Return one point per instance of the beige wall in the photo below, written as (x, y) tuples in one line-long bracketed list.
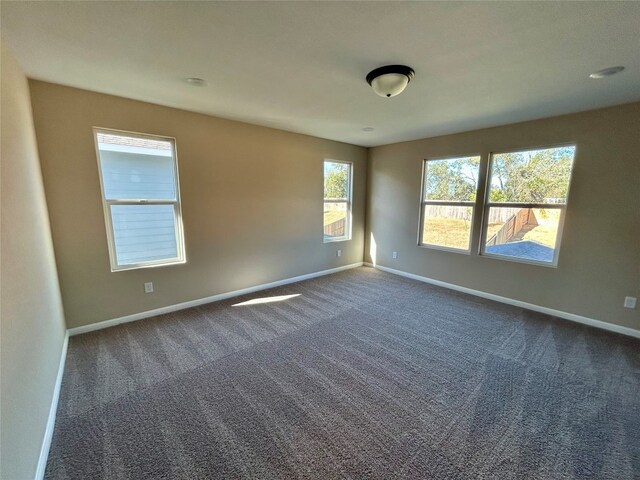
[(599, 260), (251, 203), (32, 326)]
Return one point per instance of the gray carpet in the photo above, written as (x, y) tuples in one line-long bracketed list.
[(362, 375)]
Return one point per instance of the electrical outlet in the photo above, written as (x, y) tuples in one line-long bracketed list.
[(148, 287), (339, 253), (395, 254), (630, 302)]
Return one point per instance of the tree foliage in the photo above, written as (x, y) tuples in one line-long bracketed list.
[(538, 176), (535, 176), (453, 179), (336, 180)]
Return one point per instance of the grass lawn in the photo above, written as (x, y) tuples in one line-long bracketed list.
[(450, 232), (547, 229), (454, 232), (544, 235)]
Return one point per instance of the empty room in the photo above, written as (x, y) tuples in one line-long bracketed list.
[(320, 240)]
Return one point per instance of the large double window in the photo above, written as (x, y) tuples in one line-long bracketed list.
[(337, 201), (141, 199), (525, 197)]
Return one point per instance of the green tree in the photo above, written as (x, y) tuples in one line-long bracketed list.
[(452, 179), (534, 176), (336, 181)]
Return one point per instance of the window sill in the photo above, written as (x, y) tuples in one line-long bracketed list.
[(520, 260), (444, 249), (138, 266), (334, 240)]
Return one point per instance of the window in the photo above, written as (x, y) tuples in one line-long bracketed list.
[(525, 204), (141, 199), (337, 201), (449, 189)]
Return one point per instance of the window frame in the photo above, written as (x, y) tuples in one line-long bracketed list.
[(487, 204), (348, 201), (444, 203), (108, 203)]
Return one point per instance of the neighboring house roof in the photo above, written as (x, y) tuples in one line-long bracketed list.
[(133, 141), (526, 249)]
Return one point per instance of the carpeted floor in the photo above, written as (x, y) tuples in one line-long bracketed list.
[(363, 374)]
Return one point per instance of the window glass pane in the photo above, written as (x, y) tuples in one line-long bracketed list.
[(453, 179), (525, 233), (447, 226), (144, 233), (335, 220), (336, 180), (136, 168), (534, 176)]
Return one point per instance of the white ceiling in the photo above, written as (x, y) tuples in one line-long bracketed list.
[(301, 66)]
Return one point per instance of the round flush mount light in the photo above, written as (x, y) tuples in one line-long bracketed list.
[(368, 129), (607, 72), (195, 81), (390, 80)]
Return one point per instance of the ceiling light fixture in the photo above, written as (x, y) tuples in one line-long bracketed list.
[(390, 80), (196, 82), (368, 129), (607, 72)]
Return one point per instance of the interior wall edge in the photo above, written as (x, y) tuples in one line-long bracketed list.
[(32, 326)]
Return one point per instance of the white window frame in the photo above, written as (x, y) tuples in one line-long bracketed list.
[(347, 201), (445, 203), (487, 204), (106, 205)]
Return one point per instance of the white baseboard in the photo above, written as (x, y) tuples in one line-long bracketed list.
[(201, 301), (632, 332), (51, 421)]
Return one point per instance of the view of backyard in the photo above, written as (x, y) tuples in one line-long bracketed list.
[(518, 182), (450, 232), (527, 195), (332, 216), (335, 216), (455, 232), (547, 229), (336, 200)]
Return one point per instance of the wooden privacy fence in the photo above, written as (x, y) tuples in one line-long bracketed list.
[(514, 219), (336, 228), (496, 215), (513, 225)]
